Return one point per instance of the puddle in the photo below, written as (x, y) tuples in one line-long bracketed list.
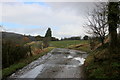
[(69, 56), (34, 72), (81, 60), (61, 65)]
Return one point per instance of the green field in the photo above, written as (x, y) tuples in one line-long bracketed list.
[(66, 43)]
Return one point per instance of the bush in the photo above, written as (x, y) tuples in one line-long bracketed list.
[(12, 52)]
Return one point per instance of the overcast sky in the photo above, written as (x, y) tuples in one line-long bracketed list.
[(66, 19)]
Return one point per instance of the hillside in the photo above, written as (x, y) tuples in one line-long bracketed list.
[(15, 36)]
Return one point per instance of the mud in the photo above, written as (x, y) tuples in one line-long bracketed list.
[(59, 63)]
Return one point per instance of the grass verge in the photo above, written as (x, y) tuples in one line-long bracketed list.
[(98, 64), (8, 71)]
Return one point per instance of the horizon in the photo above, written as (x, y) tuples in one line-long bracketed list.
[(40, 35)]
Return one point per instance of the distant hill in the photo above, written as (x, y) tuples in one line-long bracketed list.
[(15, 36), (11, 35)]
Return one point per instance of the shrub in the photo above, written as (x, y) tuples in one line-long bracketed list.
[(12, 52)]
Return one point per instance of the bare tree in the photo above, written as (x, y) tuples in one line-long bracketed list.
[(97, 21)]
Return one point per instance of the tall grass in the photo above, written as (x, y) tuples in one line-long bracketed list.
[(12, 52)]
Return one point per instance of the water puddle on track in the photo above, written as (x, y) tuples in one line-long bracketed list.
[(34, 72), (81, 60)]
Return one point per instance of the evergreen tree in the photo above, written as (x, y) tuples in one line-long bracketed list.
[(48, 33), (47, 38), (113, 18)]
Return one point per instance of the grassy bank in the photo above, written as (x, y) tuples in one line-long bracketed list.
[(9, 70), (82, 47), (99, 65)]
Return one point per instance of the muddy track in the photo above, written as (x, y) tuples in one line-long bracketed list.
[(59, 63)]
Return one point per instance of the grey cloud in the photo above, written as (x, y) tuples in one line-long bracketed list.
[(68, 17), (80, 8)]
